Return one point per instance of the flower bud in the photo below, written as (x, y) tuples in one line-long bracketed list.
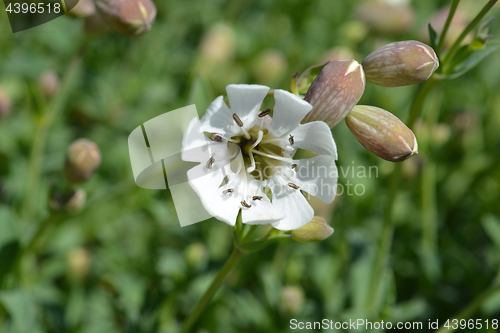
[(83, 158), (314, 231), (5, 104), (128, 17), (83, 8), (386, 18), (291, 299), (218, 45), (382, 133), (400, 64), (196, 256), (335, 91), (269, 66), (79, 260), (49, 83)]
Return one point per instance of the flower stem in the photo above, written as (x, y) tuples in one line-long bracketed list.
[(383, 253), (50, 114), (466, 31), (233, 259), (453, 8)]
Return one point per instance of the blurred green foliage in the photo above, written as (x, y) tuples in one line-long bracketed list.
[(123, 263)]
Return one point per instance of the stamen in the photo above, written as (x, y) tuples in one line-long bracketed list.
[(256, 197), (251, 168), (215, 137), (292, 185), (245, 204), (264, 113), (237, 120), (295, 167), (290, 139), (210, 162), (271, 155), (229, 190)]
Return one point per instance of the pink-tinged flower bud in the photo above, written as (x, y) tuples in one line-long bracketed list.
[(83, 158), (400, 64), (335, 91), (83, 8), (5, 104), (386, 18), (49, 83), (128, 17), (382, 133), (314, 231)]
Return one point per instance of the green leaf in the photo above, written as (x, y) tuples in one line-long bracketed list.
[(432, 37), (473, 59), (201, 95), (22, 310)]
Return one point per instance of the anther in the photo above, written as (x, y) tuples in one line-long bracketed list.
[(295, 167), (292, 185), (256, 197), (229, 190), (237, 120), (215, 137), (210, 162), (264, 113), (290, 139), (245, 204)]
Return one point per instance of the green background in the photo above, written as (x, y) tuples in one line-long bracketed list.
[(123, 264)]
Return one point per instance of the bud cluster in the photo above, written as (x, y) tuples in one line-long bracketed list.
[(341, 83)]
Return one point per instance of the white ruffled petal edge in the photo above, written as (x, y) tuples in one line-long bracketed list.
[(289, 110), (245, 100), (316, 137)]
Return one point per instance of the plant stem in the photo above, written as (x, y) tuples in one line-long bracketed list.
[(466, 31), (383, 253), (453, 8), (235, 257), (49, 115), (472, 307)]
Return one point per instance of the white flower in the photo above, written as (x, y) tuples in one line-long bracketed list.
[(248, 161)]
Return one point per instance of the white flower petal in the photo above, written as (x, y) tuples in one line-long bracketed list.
[(318, 177), (289, 110), (194, 143), (262, 211), (223, 207), (245, 100), (316, 137), (219, 119), (294, 204)]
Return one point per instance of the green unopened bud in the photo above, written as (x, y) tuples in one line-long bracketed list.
[(79, 260), (128, 17), (83, 158), (5, 104), (314, 231), (386, 18), (49, 83), (83, 8), (335, 91), (400, 64), (291, 299), (269, 66), (382, 133), (197, 256)]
